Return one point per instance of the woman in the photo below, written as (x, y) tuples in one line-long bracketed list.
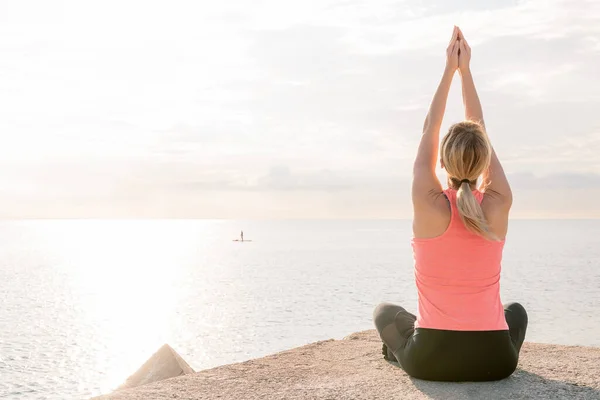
[(462, 332)]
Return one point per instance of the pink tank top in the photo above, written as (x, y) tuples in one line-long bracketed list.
[(458, 278)]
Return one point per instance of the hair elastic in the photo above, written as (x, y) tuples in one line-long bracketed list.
[(465, 181)]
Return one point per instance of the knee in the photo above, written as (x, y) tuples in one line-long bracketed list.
[(384, 315), (517, 310)]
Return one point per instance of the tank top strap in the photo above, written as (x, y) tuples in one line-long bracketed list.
[(478, 195), (450, 195)]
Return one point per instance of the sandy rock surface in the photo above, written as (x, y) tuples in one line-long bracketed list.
[(353, 368)]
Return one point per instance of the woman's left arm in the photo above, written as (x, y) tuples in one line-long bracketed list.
[(425, 182)]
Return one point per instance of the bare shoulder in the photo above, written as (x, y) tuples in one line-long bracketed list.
[(431, 215), (496, 209)]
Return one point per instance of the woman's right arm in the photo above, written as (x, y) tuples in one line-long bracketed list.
[(494, 181)]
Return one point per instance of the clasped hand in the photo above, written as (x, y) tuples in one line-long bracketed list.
[(458, 53)]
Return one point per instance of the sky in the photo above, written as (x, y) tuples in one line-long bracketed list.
[(284, 109)]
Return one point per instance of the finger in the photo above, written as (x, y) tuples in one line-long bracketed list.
[(464, 49), (452, 37), (455, 47), (451, 46), (467, 48), (463, 38)]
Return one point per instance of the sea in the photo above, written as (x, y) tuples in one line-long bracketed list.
[(85, 302)]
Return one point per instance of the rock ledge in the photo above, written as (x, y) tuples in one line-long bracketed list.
[(353, 368)]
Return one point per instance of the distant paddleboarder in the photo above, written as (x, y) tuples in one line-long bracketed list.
[(241, 238)]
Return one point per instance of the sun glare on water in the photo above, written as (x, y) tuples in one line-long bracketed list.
[(126, 281)]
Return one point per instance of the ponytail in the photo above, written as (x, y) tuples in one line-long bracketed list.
[(471, 213)]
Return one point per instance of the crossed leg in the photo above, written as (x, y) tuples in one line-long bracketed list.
[(395, 326)]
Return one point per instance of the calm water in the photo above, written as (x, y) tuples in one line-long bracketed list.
[(84, 303)]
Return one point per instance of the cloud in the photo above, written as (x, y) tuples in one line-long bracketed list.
[(281, 178), (283, 99), (427, 26), (278, 178), (561, 181), (529, 69), (574, 153)]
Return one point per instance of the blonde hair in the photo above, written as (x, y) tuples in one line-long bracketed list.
[(466, 153)]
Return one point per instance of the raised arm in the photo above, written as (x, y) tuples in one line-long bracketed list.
[(494, 181), (425, 182)]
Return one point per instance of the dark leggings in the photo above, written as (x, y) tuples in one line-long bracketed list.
[(443, 355)]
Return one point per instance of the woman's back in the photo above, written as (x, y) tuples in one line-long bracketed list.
[(458, 277)]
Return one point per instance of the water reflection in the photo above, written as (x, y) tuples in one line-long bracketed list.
[(125, 278)]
